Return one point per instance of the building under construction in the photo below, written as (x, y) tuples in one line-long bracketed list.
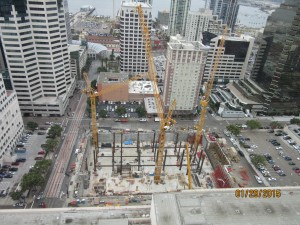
[(126, 164)]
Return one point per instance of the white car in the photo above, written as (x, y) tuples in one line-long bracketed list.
[(250, 150), (254, 146), (279, 148), (258, 179), (298, 158), (272, 179), (295, 147)]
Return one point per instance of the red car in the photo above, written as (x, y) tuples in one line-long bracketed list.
[(38, 158), (41, 152), (297, 171), (15, 163)]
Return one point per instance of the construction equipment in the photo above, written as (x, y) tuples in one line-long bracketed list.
[(165, 122), (188, 166), (93, 94), (205, 100)]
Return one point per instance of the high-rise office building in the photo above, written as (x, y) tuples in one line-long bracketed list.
[(11, 123), (277, 65), (233, 61), (163, 17), (34, 39), (201, 21), (226, 10), (68, 26), (184, 70), (132, 48), (178, 15)]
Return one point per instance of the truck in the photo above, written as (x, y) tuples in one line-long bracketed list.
[(233, 154)]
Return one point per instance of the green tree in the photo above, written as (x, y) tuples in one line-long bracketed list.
[(121, 110), (51, 144), (295, 121), (94, 84), (103, 113), (55, 131), (32, 125), (141, 111), (15, 195), (101, 69), (233, 129), (253, 124), (258, 159), (275, 124), (42, 165), (30, 180)]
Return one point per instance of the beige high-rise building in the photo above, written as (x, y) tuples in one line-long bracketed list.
[(184, 70)]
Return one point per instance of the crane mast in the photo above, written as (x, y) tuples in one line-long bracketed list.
[(205, 100), (164, 122), (92, 94)]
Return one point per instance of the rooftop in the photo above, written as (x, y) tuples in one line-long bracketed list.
[(150, 105), (134, 4), (141, 87), (94, 46), (112, 77), (221, 206)]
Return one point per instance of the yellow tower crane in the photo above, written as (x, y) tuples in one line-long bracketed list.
[(165, 122), (205, 100), (93, 94)]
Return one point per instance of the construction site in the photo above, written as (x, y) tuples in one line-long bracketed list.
[(120, 162)]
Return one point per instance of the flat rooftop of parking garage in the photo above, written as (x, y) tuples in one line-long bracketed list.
[(221, 206)]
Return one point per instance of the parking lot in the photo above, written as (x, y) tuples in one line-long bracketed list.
[(33, 146), (260, 144)]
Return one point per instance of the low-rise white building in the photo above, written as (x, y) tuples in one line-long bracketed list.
[(11, 123)]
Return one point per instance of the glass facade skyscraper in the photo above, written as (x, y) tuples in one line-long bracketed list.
[(278, 67)]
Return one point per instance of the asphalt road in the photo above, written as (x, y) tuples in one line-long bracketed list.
[(55, 181)]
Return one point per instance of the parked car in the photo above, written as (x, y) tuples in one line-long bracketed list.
[(287, 158), (6, 166), (21, 160), (8, 175), (38, 158), (41, 133), (15, 163), (241, 153), (41, 152), (295, 168), (292, 163), (13, 169), (258, 179)]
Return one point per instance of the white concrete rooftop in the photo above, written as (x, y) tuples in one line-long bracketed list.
[(222, 207), (150, 105), (140, 87)]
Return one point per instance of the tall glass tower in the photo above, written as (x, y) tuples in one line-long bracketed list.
[(178, 16), (278, 68)]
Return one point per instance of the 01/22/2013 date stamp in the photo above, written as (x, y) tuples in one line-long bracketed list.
[(258, 193)]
